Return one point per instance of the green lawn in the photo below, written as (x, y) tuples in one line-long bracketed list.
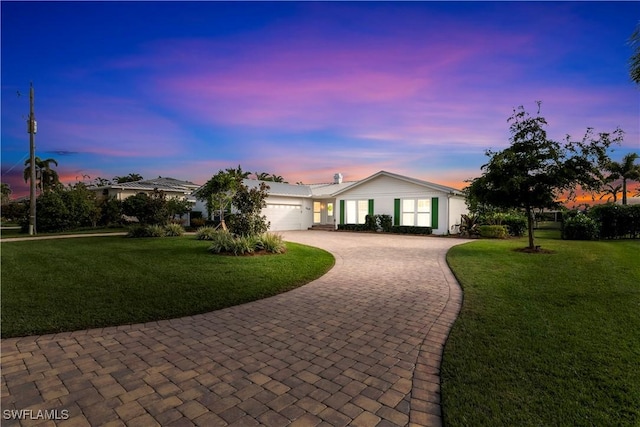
[(545, 339), (13, 232), (71, 284)]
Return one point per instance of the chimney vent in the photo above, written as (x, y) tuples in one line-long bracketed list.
[(337, 178)]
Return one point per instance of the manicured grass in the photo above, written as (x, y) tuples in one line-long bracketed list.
[(70, 284), (9, 233), (545, 339)]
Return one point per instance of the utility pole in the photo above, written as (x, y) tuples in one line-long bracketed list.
[(32, 128)]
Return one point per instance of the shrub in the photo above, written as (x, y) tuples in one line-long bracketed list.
[(409, 229), (156, 230), (272, 242), (371, 223), (634, 217), (149, 209), (516, 224), (248, 224), (469, 225), (16, 211), (493, 231), (197, 222), (242, 245), (138, 230), (173, 230), (141, 230), (205, 233), (110, 211), (579, 227), (249, 203), (617, 221), (221, 240), (385, 222), (352, 227), (52, 213)]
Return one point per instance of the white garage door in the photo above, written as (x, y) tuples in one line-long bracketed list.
[(283, 217)]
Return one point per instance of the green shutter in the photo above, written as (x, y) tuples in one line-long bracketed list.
[(371, 207), (396, 212), (434, 213), (341, 211)]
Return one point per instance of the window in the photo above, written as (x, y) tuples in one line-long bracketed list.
[(317, 212), (356, 211), (408, 211), (416, 212), (423, 213)]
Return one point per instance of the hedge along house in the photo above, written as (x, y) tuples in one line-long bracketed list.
[(409, 201)]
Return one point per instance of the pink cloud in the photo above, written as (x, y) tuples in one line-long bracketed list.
[(303, 83), (108, 126)]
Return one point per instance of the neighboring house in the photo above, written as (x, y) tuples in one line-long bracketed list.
[(409, 201), (171, 187)]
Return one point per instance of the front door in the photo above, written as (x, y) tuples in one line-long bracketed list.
[(323, 212), (329, 219), (317, 212)]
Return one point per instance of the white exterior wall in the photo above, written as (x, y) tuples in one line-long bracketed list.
[(295, 213), (457, 208), (384, 190), (304, 212)]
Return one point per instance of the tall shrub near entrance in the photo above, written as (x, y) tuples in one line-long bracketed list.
[(249, 203)]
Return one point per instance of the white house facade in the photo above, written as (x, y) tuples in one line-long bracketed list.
[(408, 201)]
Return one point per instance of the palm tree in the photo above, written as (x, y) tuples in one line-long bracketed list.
[(626, 170), (613, 190), (46, 178), (264, 176), (132, 177)]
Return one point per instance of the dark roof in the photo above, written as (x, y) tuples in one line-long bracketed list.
[(162, 184)]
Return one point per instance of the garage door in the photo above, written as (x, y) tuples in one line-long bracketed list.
[(283, 217)]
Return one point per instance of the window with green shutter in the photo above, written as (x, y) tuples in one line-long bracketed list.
[(396, 212), (434, 213)]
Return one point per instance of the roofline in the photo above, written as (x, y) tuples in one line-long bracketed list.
[(140, 187), (443, 188)]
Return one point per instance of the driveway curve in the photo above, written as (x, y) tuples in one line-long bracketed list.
[(359, 346)]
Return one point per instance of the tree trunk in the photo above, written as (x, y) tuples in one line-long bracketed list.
[(624, 191), (530, 227)]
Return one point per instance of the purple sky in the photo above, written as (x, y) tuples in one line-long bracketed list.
[(304, 90)]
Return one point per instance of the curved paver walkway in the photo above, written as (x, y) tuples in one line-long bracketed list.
[(360, 346)]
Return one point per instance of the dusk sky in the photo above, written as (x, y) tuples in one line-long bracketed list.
[(305, 89)]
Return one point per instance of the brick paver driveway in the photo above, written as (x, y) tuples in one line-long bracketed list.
[(360, 346)]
